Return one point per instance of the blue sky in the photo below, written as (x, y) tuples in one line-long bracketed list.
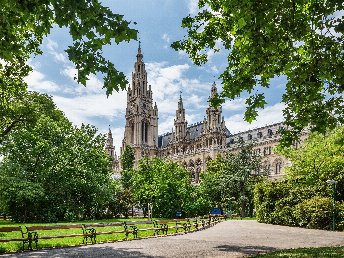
[(169, 72)]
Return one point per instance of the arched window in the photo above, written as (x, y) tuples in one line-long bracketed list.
[(278, 166)]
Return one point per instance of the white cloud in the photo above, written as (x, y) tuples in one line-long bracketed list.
[(37, 82), (182, 54), (269, 115), (193, 6), (167, 81), (214, 69), (93, 84), (82, 109), (166, 38), (232, 105), (194, 101), (52, 47), (166, 125)]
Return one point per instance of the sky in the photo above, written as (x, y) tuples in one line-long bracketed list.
[(169, 72)]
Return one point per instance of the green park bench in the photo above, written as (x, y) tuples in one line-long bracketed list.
[(25, 237)]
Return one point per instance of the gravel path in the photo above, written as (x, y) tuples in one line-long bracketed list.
[(234, 238)]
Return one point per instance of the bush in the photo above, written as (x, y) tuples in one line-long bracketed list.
[(340, 216), (291, 204), (314, 213)]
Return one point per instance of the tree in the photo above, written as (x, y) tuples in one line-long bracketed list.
[(163, 184), (24, 110), (319, 159), (127, 163), (91, 26), (53, 171), (304, 198), (302, 40), (229, 180)]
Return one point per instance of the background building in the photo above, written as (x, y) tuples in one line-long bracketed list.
[(191, 145)]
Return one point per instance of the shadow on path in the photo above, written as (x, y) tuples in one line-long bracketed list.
[(104, 252), (247, 250)]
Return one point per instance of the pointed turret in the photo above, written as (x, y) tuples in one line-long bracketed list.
[(110, 149), (213, 90), (180, 123), (139, 55)]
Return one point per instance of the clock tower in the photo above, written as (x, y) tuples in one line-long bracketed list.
[(141, 128)]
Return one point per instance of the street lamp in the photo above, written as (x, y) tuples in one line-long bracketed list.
[(333, 183)]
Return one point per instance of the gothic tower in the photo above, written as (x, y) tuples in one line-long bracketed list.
[(110, 149), (214, 124), (180, 124), (141, 128)]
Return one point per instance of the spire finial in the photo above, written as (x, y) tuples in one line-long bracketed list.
[(139, 54)]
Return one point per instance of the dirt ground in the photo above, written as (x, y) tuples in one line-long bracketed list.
[(233, 238)]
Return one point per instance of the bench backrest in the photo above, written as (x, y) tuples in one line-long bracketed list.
[(10, 229), (110, 224), (139, 222), (33, 228)]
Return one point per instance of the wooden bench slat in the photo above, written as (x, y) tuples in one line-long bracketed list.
[(12, 239), (60, 236), (10, 229), (104, 224), (33, 228), (110, 232), (139, 222)]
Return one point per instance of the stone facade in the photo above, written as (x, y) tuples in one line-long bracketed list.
[(191, 145)]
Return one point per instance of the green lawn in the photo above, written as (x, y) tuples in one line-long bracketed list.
[(74, 241), (321, 252)]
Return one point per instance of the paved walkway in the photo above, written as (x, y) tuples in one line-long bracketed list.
[(234, 238)]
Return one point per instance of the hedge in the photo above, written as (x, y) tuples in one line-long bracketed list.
[(292, 204)]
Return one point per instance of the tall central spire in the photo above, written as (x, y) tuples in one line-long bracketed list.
[(139, 54), (141, 130)]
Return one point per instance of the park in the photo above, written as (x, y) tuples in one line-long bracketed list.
[(253, 165)]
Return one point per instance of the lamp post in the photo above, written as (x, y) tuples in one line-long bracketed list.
[(333, 183)]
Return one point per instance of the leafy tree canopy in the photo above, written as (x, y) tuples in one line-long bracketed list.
[(302, 40), (90, 24), (24, 110), (320, 159), (229, 180), (127, 163), (127, 158), (26, 23), (164, 184), (53, 171)]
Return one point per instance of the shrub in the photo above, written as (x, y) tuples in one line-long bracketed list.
[(314, 213)]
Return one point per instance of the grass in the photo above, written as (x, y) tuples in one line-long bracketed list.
[(74, 241), (320, 252)]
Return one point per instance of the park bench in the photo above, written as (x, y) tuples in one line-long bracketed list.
[(162, 225), (90, 230), (34, 236), (134, 227), (25, 238)]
